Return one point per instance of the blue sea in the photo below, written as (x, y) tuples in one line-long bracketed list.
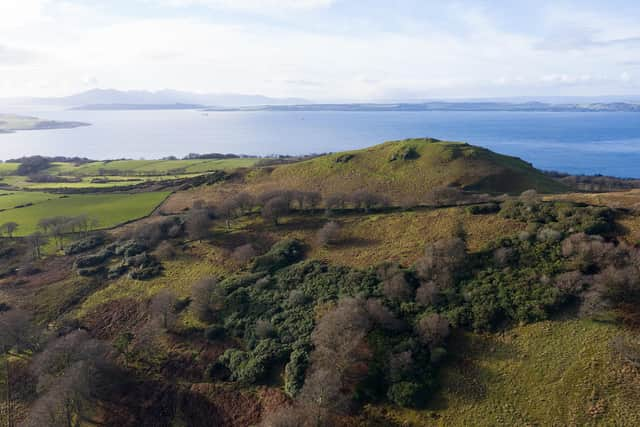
[(578, 143)]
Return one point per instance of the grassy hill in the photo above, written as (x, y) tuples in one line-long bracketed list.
[(413, 167)]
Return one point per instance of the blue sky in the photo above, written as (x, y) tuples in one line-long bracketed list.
[(325, 50)]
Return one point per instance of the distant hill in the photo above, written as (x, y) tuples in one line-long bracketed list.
[(10, 123), (162, 97), (106, 107), (447, 106), (413, 167)]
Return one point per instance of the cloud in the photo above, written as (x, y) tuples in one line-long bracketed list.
[(254, 6), (14, 56)]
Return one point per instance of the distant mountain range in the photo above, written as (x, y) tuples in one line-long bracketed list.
[(446, 106), (111, 99), (102, 97)]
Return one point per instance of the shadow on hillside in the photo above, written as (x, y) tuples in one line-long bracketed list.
[(465, 375)]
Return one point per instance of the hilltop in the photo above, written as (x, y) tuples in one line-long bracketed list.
[(409, 170)]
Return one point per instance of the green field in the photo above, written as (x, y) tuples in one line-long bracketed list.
[(7, 168), (108, 209), (150, 167), (11, 199)]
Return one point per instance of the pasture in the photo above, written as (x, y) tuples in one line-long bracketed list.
[(107, 209)]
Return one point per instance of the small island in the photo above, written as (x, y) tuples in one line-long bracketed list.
[(10, 123)]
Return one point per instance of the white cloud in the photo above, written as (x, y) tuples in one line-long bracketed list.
[(256, 6)]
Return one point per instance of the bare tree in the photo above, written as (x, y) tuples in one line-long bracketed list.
[(36, 241), (229, 210), (197, 224), (397, 288), (163, 309), (428, 293), (206, 297), (329, 233), (442, 261), (366, 200), (339, 340), (9, 228), (382, 316), (275, 208), (243, 254), (433, 329), (335, 201)]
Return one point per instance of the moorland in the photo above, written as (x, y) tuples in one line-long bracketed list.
[(415, 282)]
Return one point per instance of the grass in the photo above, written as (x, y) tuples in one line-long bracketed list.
[(548, 373), (437, 164), (11, 199), (150, 167), (7, 168), (115, 181), (108, 209), (179, 275)]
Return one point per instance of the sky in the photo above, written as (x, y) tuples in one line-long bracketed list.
[(323, 50)]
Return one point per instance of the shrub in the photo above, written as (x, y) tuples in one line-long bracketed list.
[(484, 209), (84, 245), (294, 371), (214, 332), (282, 254), (406, 394)]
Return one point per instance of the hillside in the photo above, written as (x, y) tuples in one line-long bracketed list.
[(404, 171), (413, 167), (219, 308)]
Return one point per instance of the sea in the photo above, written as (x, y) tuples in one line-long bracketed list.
[(577, 143)]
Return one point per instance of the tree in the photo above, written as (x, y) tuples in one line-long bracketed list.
[(206, 297), (197, 224), (366, 200), (163, 309), (442, 261), (243, 254), (335, 201), (36, 241), (329, 233), (432, 330), (275, 208), (17, 333), (9, 228), (428, 294), (229, 210), (397, 288), (339, 340)]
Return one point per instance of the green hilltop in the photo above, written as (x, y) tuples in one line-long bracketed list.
[(413, 167)]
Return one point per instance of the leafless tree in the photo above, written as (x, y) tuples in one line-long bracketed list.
[(428, 294), (275, 208), (163, 309), (243, 254), (229, 210), (397, 288), (442, 261), (329, 233), (9, 228), (433, 329), (36, 241), (197, 223), (366, 200), (205, 298), (339, 340), (336, 201), (382, 316)]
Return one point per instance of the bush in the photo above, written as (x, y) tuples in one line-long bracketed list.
[(84, 245), (294, 372), (406, 394), (485, 209), (282, 254), (214, 332), (93, 260)]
